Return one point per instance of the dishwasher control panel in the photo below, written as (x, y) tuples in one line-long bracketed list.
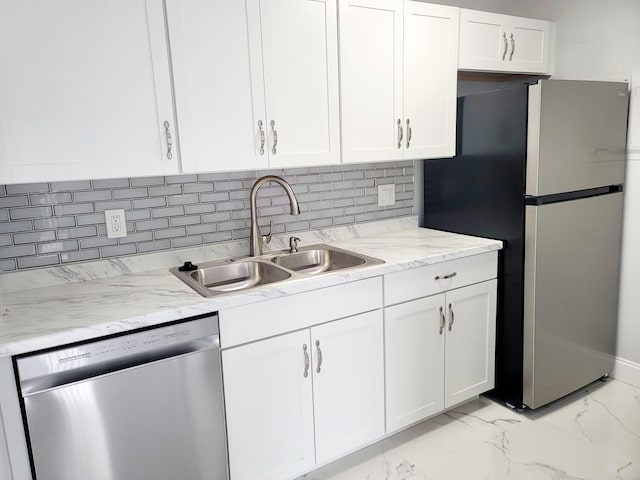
[(97, 351)]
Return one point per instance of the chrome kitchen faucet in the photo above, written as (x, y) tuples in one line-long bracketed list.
[(258, 240)]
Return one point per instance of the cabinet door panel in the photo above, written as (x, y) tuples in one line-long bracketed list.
[(269, 408), (430, 76), (414, 361), (349, 388), (212, 81), (531, 45), (371, 79), (482, 43), (300, 62), (88, 93), (470, 343)]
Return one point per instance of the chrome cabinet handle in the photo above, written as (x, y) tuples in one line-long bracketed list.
[(319, 356), (167, 132), (513, 47), (275, 137), (506, 45), (442, 320), (262, 139), (408, 133), (400, 133), (306, 361), (450, 317), (445, 277)]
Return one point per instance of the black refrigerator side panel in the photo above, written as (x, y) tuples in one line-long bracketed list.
[(480, 192)]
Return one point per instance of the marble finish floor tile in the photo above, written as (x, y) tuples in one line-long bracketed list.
[(594, 434)]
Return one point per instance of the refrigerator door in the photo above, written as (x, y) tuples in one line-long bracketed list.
[(577, 135), (572, 254)]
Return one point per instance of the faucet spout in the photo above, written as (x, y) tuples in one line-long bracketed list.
[(257, 239)]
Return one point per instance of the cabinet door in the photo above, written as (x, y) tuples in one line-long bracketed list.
[(502, 43), (88, 91), (371, 79), (430, 79), (470, 341), (414, 361), (483, 41), (212, 81), (529, 48), (348, 384), (269, 407), (298, 44)]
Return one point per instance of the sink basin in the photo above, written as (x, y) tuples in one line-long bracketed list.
[(319, 259), (218, 277), (212, 278)]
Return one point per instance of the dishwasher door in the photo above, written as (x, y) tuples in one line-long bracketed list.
[(161, 419)]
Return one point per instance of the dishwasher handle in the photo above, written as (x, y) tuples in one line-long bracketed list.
[(61, 377)]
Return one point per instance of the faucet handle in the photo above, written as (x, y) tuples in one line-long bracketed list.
[(293, 244), (267, 238)]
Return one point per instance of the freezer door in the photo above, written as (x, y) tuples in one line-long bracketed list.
[(576, 135), (572, 256)]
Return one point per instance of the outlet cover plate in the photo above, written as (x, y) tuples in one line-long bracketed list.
[(116, 223), (386, 195)]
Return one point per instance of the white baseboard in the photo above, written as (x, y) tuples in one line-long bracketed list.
[(626, 371)]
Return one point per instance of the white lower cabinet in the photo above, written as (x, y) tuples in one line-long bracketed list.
[(304, 397), (439, 349), (269, 404), (307, 376), (414, 361)]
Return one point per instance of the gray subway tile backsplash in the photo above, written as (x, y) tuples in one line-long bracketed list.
[(44, 224)]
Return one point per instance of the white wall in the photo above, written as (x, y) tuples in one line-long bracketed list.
[(598, 40)]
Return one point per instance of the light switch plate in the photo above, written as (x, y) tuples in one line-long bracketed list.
[(386, 195), (116, 223)]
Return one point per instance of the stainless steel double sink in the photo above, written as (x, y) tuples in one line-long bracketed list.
[(218, 277)]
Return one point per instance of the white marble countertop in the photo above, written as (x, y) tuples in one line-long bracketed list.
[(67, 311)]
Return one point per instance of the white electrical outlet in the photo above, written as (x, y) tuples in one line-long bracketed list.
[(386, 195), (116, 223)]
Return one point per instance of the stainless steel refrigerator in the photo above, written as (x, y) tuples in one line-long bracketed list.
[(542, 167)]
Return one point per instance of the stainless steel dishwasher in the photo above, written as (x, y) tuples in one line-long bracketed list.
[(141, 406)]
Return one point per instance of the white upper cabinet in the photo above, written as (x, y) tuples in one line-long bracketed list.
[(85, 90), (293, 48), (430, 80), (502, 43), (213, 86), (398, 66)]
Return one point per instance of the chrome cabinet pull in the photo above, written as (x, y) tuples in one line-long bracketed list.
[(506, 45), (450, 317), (275, 137), (400, 133), (445, 277), (167, 132), (262, 139), (306, 361), (319, 356), (513, 47), (408, 133), (442, 320)]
